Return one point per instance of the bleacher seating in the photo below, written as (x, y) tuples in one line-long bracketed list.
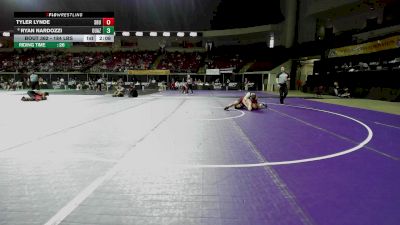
[(75, 62), (225, 61), (181, 62)]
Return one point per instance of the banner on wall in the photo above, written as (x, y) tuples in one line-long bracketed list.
[(227, 70), (212, 72), (148, 72), (369, 47)]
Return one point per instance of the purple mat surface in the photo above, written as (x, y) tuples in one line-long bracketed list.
[(357, 188), (169, 158), (279, 139), (385, 138)]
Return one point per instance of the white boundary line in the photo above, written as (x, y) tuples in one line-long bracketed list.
[(82, 196), (387, 125), (347, 151), (225, 118), (74, 203)]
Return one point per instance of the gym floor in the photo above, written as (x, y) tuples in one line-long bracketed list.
[(168, 158)]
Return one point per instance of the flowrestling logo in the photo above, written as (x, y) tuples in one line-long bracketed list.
[(64, 15)]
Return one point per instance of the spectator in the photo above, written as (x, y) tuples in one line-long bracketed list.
[(79, 86), (298, 84), (132, 91), (340, 92), (2, 83), (227, 83), (62, 83), (246, 84), (319, 90), (11, 85)]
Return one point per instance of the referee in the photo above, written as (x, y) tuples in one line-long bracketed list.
[(189, 82), (281, 80), (34, 81)]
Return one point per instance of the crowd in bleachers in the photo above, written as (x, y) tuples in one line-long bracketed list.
[(225, 61), (181, 62), (75, 62), (122, 61), (47, 61)]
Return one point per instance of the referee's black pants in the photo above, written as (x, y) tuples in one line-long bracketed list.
[(190, 87), (35, 85), (283, 91)]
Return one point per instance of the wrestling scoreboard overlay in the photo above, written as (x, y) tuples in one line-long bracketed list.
[(61, 29)]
